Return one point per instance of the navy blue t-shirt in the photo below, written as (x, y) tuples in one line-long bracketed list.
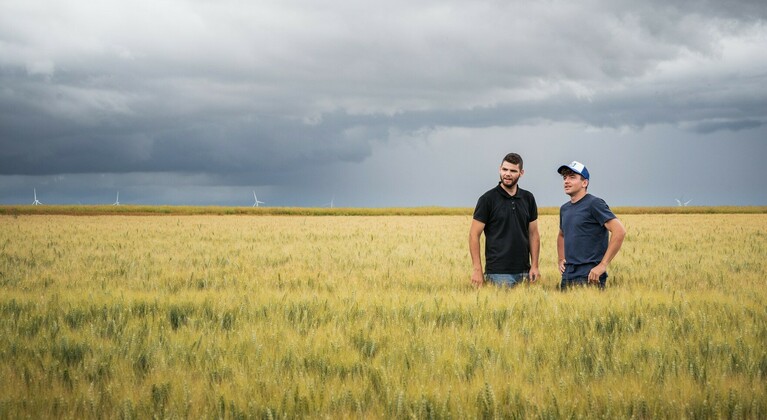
[(507, 229), (586, 237)]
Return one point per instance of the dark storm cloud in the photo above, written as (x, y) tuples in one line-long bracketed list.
[(203, 144), (713, 126), (244, 93)]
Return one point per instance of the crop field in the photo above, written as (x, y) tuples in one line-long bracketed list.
[(373, 316)]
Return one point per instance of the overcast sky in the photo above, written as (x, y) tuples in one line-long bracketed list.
[(397, 103)]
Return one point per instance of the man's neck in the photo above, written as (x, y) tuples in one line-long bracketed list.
[(511, 191), (576, 198)]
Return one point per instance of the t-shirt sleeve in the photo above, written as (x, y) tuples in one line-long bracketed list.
[(533, 209), (601, 211), (482, 210)]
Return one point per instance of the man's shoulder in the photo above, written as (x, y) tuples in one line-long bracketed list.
[(521, 192), (485, 203), (595, 201), (587, 200), (592, 197), (489, 194), (601, 210)]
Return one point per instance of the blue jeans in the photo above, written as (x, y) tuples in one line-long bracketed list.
[(582, 281), (578, 275), (508, 280)]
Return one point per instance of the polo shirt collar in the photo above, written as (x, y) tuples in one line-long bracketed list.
[(505, 194)]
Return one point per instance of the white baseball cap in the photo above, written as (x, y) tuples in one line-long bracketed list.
[(576, 167)]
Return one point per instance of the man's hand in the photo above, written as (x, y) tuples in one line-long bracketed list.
[(477, 279), (562, 266), (477, 227), (596, 272), (534, 274)]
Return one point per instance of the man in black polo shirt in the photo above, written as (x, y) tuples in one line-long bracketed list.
[(508, 216)]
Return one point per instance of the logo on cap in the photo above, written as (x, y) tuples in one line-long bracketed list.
[(576, 167)]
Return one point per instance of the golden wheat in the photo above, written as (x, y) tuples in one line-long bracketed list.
[(373, 316)]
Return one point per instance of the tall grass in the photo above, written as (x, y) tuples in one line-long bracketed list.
[(271, 317)]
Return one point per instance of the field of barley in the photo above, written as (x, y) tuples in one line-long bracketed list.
[(270, 316)]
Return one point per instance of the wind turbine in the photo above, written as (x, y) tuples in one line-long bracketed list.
[(117, 201), (681, 204), (256, 202), (36, 203), (330, 204)]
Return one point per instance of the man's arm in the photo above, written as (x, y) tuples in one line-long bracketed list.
[(535, 250), (475, 232), (561, 251), (617, 233)]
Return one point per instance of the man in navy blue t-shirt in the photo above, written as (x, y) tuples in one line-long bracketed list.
[(590, 235), (508, 216)]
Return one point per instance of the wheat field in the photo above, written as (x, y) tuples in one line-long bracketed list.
[(262, 316)]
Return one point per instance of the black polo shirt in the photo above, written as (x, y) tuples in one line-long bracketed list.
[(507, 229)]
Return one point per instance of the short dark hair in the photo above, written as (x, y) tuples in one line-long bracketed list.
[(513, 158), (568, 171)]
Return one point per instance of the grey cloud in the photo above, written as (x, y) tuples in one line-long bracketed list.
[(707, 127), (245, 94), (216, 146)]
